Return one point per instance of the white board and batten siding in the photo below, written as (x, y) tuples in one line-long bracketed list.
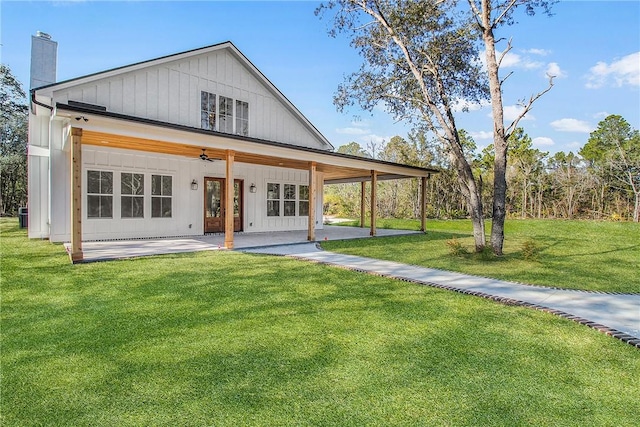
[(187, 204), (170, 92)]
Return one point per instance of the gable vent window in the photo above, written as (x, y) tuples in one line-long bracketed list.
[(208, 110)]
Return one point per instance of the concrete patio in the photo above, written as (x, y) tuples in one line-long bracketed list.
[(118, 249)]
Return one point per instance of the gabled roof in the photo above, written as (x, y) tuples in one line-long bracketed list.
[(229, 46)]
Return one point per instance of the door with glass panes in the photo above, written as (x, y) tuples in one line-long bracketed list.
[(214, 203)]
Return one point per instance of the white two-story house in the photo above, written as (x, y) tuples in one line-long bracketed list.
[(188, 144)]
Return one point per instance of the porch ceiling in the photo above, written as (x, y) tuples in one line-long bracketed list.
[(292, 158)]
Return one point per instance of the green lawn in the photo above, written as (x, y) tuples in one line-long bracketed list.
[(230, 339), (589, 255)]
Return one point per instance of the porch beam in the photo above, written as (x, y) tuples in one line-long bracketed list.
[(76, 195), (228, 201), (374, 201), (423, 207), (311, 235), (363, 188)]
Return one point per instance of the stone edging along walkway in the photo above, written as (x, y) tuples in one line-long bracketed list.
[(622, 336)]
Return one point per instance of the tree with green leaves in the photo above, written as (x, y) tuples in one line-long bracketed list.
[(13, 140), (613, 152), (420, 60), (527, 165)]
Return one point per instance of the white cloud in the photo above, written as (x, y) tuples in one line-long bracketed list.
[(539, 52), (481, 135), (553, 69), (542, 141), (512, 60), (571, 125), (601, 115), (511, 112), (352, 131), (625, 71)]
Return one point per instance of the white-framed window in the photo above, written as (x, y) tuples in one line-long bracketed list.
[(242, 118), (289, 200), (225, 114), (99, 194), (303, 200), (161, 196), (207, 110), (131, 195), (292, 201), (273, 199)]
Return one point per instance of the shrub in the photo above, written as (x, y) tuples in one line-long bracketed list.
[(530, 249), (456, 248)]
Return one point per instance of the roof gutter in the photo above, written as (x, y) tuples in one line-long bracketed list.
[(35, 101)]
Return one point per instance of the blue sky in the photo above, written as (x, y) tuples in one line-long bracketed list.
[(592, 46)]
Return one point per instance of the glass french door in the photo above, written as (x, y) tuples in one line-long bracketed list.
[(214, 203)]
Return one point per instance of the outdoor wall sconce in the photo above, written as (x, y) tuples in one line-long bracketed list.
[(194, 185), (252, 188)]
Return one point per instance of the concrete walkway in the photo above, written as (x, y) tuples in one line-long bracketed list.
[(617, 315)]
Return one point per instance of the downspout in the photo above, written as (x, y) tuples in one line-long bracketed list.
[(51, 115)]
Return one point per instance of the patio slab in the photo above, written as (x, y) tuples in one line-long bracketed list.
[(120, 249)]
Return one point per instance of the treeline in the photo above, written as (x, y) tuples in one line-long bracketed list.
[(600, 181)]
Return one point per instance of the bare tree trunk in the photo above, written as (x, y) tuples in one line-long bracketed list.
[(499, 138)]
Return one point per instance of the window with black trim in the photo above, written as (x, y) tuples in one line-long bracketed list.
[(131, 195), (99, 194), (161, 192)]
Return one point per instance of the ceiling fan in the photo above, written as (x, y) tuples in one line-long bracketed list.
[(205, 157)]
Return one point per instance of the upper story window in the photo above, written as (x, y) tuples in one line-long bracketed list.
[(99, 194), (208, 110), (224, 114), (242, 118)]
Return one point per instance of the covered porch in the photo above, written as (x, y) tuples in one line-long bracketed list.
[(147, 136), (123, 249)]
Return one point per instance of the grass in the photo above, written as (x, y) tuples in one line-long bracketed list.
[(588, 255), (228, 339)]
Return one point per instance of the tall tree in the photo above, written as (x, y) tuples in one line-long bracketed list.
[(614, 149), (13, 143), (419, 59), (489, 15)]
